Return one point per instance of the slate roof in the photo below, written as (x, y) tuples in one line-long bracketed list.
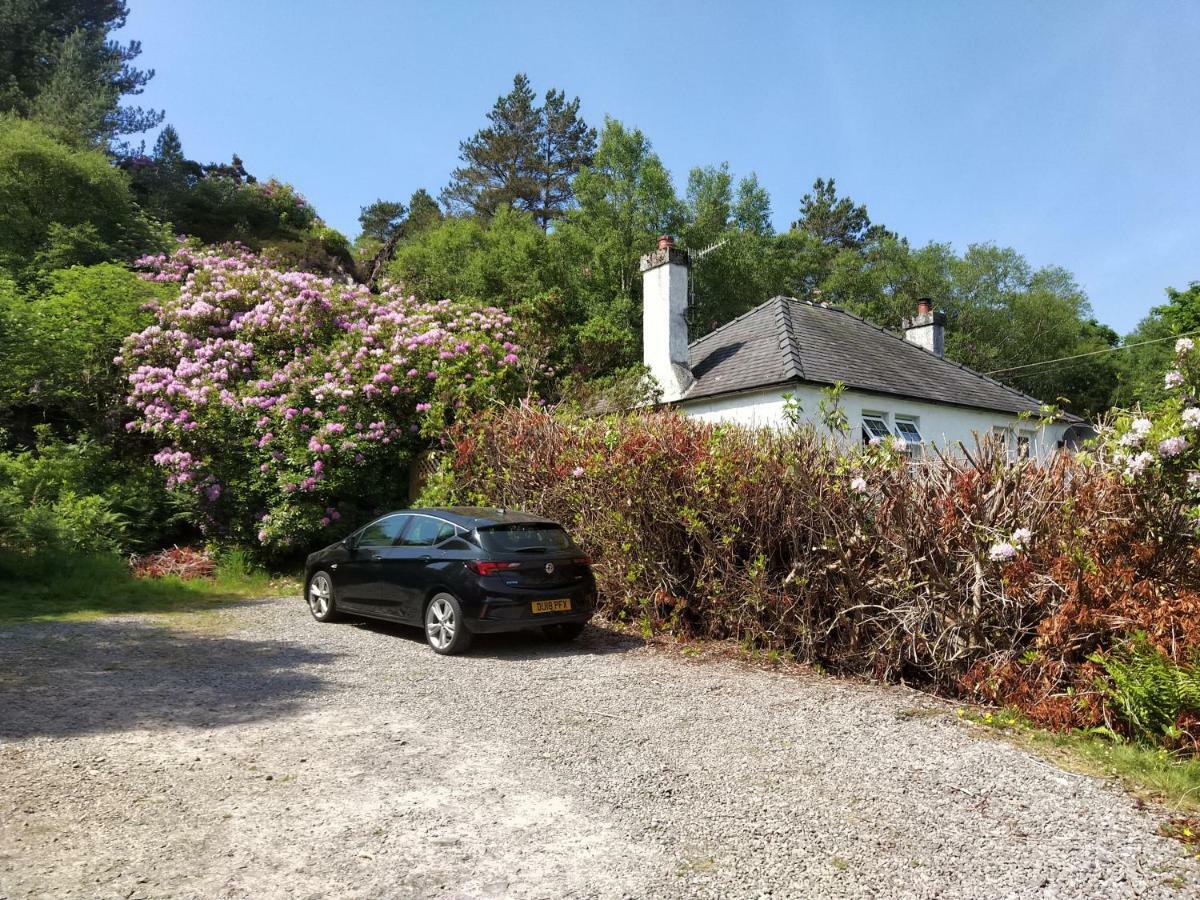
[(786, 340)]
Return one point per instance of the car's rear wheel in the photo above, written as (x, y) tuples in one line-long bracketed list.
[(321, 601), (445, 629), (564, 631)]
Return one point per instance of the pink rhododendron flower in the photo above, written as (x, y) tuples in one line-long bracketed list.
[(1191, 417), (1184, 345), (1173, 379), (1172, 446), (254, 369), (858, 485), (1002, 552), (1135, 465)]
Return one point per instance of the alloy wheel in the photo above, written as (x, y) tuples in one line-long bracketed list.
[(440, 623), (320, 592)]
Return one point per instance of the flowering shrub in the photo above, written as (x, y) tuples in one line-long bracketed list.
[(1160, 448), (283, 400)]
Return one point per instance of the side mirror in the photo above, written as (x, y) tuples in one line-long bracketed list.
[(349, 543)]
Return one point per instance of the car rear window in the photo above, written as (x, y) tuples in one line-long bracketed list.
[(529, 537)]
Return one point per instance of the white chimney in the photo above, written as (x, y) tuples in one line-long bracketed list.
[(927, 328), (664, 318)]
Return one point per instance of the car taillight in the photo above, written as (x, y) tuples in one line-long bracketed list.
[(485, 567), (582, 560)]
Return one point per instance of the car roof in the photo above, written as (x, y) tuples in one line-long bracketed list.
[(478, 516)]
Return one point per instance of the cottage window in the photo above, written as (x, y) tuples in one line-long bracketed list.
[(1024, 443), (873, 426), (907, 429)]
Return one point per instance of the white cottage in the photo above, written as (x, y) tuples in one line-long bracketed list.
[(895, 385)]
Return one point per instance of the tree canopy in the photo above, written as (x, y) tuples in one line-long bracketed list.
[(526, 159), (58, 64)]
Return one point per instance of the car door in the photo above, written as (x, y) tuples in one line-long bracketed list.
[(358, 577), (409, 568)]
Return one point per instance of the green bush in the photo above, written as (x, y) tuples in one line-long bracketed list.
[(1152, 698), (61, 206), (76, 495), (60, 343)]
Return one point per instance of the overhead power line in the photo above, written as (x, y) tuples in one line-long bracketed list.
[(1046, 362)]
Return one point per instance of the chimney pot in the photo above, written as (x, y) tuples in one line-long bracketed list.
[(927, 328), (665, 241)]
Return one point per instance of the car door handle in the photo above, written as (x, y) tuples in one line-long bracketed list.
[(426, 558), (377, 557)]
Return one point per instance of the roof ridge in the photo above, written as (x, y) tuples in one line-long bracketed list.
[(793, 363), (908, 343)]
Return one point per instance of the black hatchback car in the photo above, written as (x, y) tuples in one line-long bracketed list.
[(456, 572)]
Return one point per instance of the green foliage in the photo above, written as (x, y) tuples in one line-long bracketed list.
[(59, 65), (77, 496), (222, 202), (501, 261), (61, 206), (526, 159), (381, 219), (1148, 692), (835, 221), (59, 346), (1142, 367)]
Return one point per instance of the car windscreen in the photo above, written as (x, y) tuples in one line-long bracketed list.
[(524, 537)]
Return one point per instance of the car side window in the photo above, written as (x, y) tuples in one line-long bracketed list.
[(425, 532), (383, 533)]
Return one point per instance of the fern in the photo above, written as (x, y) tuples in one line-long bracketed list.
[(1147, 691)]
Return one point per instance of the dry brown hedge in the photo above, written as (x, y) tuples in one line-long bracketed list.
[(724, 532)]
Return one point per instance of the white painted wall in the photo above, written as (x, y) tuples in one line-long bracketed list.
[(938, 423)]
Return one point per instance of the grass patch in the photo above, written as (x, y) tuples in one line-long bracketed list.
[(63, 585), (1147, 772)]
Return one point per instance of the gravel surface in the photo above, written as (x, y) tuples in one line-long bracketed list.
[(256, 753)]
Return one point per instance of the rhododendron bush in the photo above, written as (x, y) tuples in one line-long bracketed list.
[(1159, 448), (284, 400)]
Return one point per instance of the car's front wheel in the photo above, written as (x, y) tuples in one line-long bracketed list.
[(445, 629), (321, 602)]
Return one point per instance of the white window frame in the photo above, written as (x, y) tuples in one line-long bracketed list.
[(868, 432), (1026, 443), (915, 446)]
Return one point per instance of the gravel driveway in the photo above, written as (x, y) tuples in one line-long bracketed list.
[(256, 753)]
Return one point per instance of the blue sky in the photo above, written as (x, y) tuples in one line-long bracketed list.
[(1068, 130)]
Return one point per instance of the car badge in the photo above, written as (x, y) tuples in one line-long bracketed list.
[(549, 568)]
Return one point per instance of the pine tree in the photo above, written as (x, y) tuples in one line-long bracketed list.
[(423, 213), (836, 221), (58, 65), (567, 146), (526, 159), (382, 219), (501, 162)]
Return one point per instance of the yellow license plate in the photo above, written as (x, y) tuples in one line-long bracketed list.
[(540, 606)]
